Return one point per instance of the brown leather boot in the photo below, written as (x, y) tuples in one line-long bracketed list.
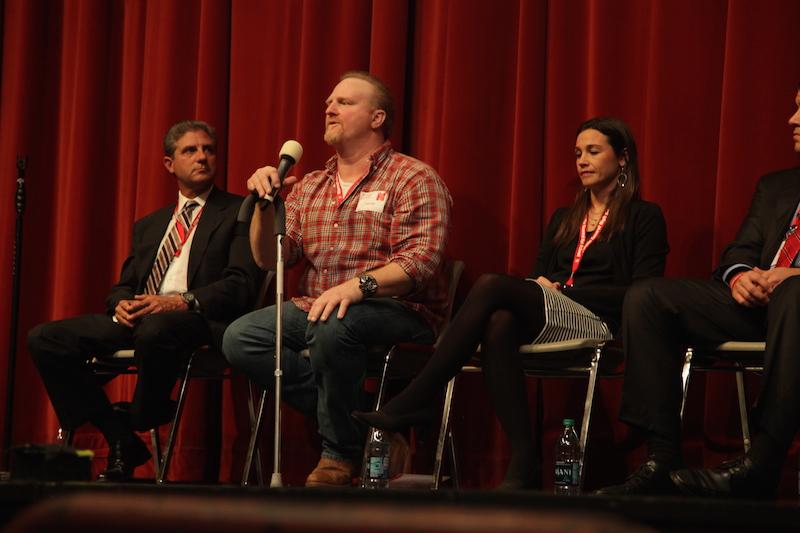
[(331, 473)]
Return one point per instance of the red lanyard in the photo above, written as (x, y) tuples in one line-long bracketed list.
[(183, 234), (583, 245), (340, 195)]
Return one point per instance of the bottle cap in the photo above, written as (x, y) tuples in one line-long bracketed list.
[(569, 422)]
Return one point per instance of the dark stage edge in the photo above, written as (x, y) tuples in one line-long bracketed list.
[(300, 509)]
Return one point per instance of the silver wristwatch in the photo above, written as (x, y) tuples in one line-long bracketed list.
[(368, 285), (190, 300)]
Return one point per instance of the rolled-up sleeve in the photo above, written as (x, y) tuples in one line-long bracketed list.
[(420, 226)]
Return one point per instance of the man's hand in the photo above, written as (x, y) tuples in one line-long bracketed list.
[(344, 295), (751, 289), (158, 303), (264, 181), (125, 310), (556, 286), (775, 276)]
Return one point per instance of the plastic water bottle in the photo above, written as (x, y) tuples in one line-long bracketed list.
[(375, 472), (568, 461)]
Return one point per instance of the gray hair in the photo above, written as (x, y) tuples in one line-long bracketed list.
[(180, 128)]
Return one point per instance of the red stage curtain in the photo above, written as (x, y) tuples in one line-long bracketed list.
[(490, 93)]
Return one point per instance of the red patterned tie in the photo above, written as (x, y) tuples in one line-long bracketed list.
[(792, 244), (170, 247)]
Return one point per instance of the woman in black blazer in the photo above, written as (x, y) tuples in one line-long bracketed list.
[(591, 253)]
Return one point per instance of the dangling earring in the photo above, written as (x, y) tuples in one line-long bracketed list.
[(622, 176)]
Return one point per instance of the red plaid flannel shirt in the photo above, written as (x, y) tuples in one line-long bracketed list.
[(341, 242)]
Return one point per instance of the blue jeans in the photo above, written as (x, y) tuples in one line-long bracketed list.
[(330, 382)]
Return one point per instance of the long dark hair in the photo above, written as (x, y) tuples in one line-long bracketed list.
[(621, 140)]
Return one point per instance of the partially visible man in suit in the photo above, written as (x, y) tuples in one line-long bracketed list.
[(189, 274), (754, 295)]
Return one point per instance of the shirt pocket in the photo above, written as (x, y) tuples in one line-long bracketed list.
[(372, 230)]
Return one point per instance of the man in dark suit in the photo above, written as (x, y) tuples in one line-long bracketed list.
[(189, 274), (754, 295)]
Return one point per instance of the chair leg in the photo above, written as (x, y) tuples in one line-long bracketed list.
[(65, 436), (451, 446), (685, 375), (173, 430), (443, 432), (155, 441), (743, 409), (378, 403), (259, 467), (382, 384), (587, 408), (257, 455), (255, 428)]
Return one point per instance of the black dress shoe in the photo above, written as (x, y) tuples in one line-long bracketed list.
[(123, 458), (387, 422), (738, 478), (651, 478)]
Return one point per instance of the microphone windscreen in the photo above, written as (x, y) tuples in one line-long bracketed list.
[(292, 149)]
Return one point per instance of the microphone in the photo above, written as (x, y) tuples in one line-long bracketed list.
[(290, 154)]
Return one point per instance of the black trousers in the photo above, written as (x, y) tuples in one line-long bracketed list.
[(162, 344), (663, 316)]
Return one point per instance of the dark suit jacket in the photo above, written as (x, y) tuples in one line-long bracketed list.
[(222, 273), (639, 251), (764, 227)]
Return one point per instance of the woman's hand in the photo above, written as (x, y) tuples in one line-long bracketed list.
[(556, 286)]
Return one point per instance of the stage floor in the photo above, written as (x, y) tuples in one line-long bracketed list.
[(142, 506)]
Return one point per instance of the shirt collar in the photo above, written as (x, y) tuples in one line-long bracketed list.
[(200, 199), (376, 158)]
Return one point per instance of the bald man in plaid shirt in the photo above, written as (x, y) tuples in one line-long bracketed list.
[(372, 226)]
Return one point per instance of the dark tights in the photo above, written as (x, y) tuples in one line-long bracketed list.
[(500, 313)]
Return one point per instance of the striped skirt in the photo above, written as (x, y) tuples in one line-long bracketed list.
[(566, 319)]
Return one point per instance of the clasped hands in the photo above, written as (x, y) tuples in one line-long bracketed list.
[(754, 287), (128, 312)]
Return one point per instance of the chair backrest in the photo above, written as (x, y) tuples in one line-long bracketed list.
[(264, 293), (409, 358), (454, 269)]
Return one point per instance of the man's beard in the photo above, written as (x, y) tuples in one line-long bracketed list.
[(332, 136)]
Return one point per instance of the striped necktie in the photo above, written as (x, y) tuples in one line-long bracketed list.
[(791, 245), (171, 247)]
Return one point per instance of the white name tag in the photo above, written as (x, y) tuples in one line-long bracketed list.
[(372, 201)]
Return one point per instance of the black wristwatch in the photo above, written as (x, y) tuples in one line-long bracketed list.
[(368, 285), (190, 300)]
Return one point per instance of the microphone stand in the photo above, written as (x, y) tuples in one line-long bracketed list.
[(15, 283), (280, 232), (290, 154)]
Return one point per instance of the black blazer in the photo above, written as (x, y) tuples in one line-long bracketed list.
[(765, 225), (639, 251), (222, 273)]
